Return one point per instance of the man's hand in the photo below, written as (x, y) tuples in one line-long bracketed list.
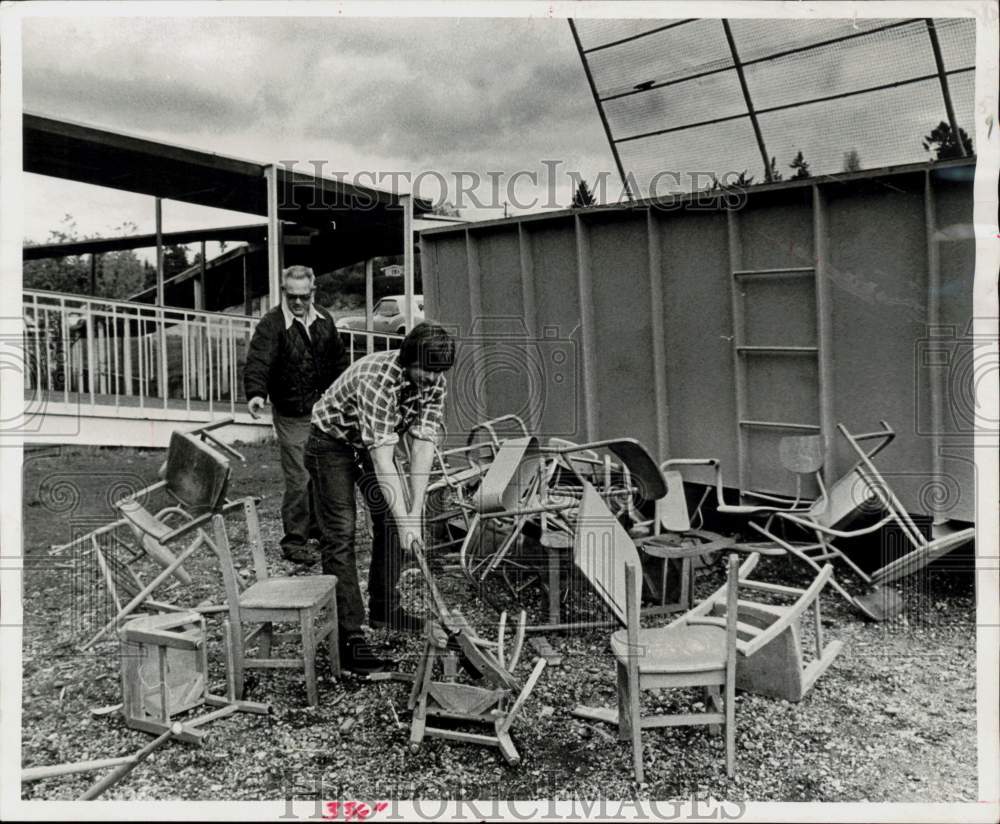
[(254, 405), (410, 530)]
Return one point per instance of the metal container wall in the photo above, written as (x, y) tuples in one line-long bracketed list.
[(712, 332)]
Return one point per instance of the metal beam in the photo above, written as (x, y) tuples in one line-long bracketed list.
[(369, 302), (159, 251), (250, 233), (657, 314), (273, 237), (584, 285), (406, 201), (746, 96), (600, 111), (945, 90), (824, 333)]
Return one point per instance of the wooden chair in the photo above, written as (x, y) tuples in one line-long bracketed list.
[(702, 648), (294, 600), (497, 697), (773, 663)]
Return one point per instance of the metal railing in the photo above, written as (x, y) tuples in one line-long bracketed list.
[(361, 342), (123, 354)]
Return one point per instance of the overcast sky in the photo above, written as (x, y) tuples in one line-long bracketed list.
[(359, 94), (461, 95)]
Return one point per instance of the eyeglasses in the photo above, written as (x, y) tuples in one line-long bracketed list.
[(299, 298)]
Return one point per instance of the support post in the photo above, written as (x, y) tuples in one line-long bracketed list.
[(199, 282), (247, 297), (407, 203), (657, 314), (824, 334), (746, 96), (945, 90), (934, 327), (584, 277), (160, 301), (273, 237), (369, 303)]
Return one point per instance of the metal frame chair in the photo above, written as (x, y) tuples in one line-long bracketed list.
[(195, 477)]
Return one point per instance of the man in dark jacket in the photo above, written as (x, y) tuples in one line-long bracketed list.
[(295, 354)]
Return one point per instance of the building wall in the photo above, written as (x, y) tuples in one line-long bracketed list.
[(620, 322)]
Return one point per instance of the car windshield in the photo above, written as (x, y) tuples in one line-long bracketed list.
[(387, 308)]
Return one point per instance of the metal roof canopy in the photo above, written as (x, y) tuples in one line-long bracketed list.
[(355, 222)]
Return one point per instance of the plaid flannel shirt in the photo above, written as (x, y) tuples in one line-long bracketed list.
[(372, 402)]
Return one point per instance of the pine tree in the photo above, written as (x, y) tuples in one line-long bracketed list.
[(801, 166), (583, 197), (943, 143)]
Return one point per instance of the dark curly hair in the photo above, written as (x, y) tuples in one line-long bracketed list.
[(428, 346)]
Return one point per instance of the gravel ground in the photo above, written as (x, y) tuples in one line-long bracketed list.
[(892, 720)]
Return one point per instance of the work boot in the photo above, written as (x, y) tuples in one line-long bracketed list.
[(396, 619), (299, 554), (357, 657)]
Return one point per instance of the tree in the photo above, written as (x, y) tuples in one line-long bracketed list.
[(774, 173), (118, 274), (943, 143), (583, 197), (852, 161), (801, 166), (445, 209)]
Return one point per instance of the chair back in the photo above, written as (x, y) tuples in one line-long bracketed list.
[(601, 550), (511, 478), (672, 509), (196, 474), (801, 454)]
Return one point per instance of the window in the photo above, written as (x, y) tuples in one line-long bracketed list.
[(387, 308)]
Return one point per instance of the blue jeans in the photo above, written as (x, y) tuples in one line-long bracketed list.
[(335, 469), (297, 517)]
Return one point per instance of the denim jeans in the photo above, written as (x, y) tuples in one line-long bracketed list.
[(336, 468), (296, 510)]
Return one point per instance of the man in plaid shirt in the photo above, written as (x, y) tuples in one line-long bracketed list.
[(356, 425)]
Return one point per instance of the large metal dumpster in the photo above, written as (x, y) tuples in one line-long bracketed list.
[(711, 327)]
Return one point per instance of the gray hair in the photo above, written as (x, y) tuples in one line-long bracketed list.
[(298, 273)]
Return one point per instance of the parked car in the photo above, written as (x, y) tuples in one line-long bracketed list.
[(387, 315)]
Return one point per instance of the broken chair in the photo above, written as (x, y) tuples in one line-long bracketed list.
[(498, 694), (825, 514), (195, 480)]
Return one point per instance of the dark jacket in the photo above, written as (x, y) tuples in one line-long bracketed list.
[(291, 368)]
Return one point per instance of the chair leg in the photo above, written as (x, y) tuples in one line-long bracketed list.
[(333, 636), (624, 725), (713, 703), (635, 721), (730, 724), (307, 621), (264, 640)]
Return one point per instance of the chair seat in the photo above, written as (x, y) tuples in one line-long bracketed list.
[(141, 518), (289, 593), (674, 649)]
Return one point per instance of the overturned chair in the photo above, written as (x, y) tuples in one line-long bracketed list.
[(194, 482)]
